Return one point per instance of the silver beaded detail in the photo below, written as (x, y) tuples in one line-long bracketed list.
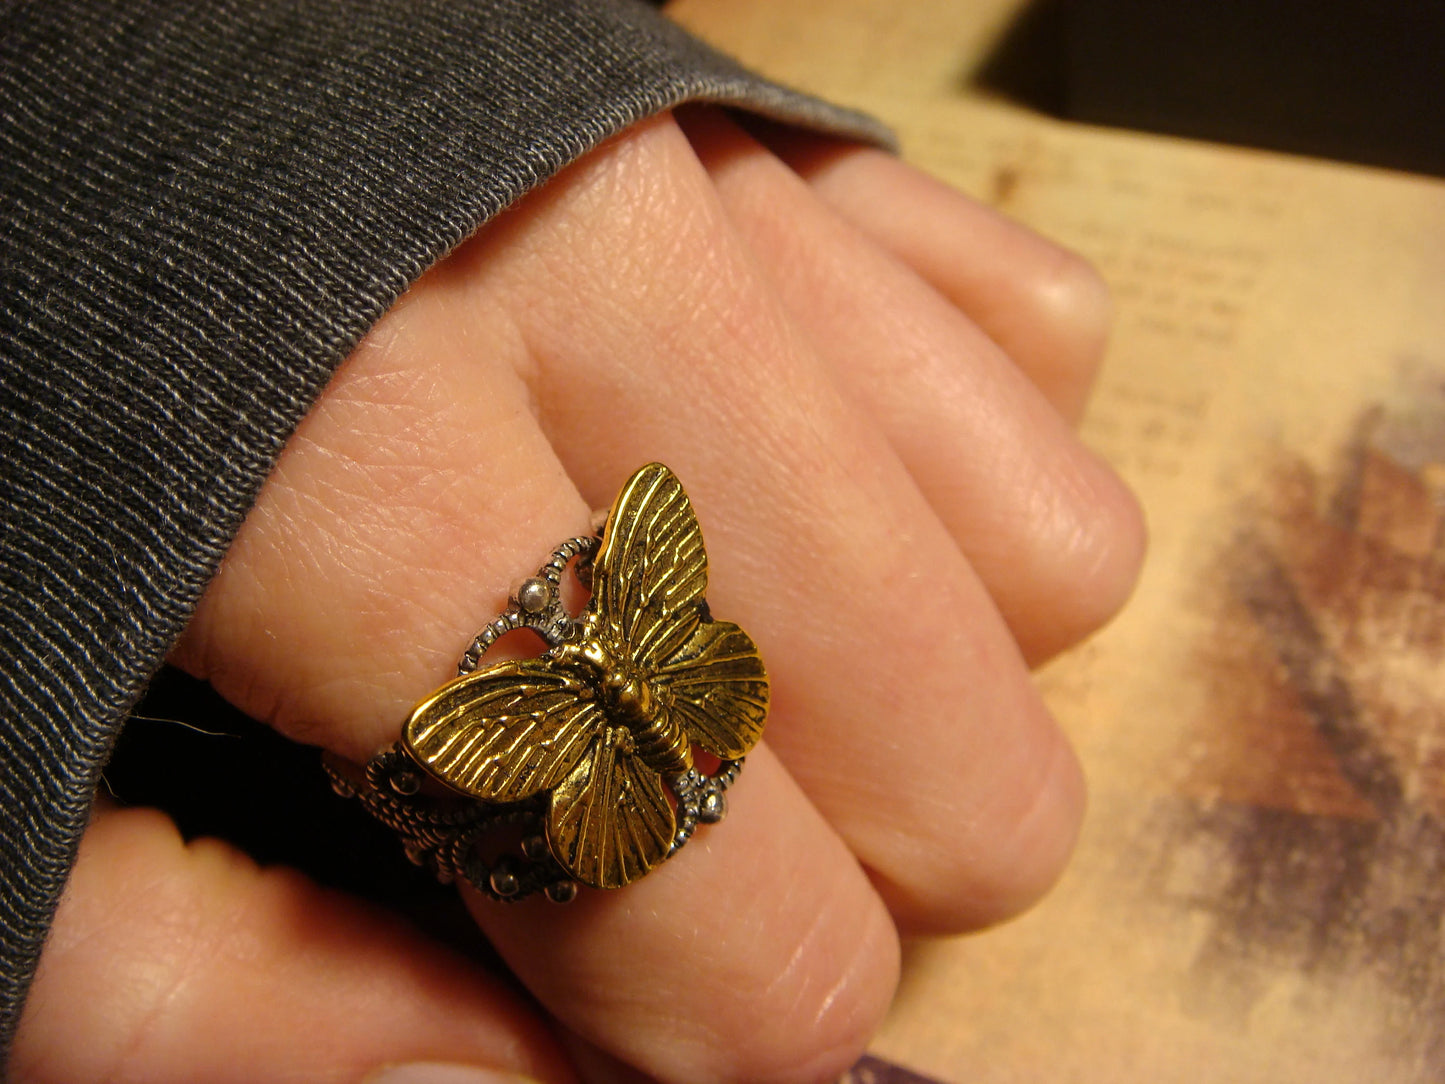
[(443, 834)]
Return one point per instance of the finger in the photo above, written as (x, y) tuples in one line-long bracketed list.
[(1045, 306), (182, 962), (408, 502), (1052, 531), (900, 701), (752, 906)]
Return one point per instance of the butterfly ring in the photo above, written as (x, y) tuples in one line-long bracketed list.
[(594, 762)]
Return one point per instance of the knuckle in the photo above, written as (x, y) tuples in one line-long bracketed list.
[(1096, 549), (816, 1019), (133, 915), (1014, 846), (1074, 296), (1113, 554)]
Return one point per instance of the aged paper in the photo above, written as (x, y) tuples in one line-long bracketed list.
[(1260, 891)]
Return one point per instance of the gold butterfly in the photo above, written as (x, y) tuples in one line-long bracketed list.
[(602, 721)]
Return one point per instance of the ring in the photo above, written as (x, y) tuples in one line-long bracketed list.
[(580, 766)]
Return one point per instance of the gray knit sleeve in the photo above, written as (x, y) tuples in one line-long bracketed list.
[(204, 207)]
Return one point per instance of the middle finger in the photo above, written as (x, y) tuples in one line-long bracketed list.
[(901, 702)]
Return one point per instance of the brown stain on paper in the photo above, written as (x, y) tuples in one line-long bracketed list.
[(1309, 835)]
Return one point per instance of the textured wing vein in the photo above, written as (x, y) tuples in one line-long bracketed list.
[(650, 576), (719, 687), (505, 732), (610, 820)]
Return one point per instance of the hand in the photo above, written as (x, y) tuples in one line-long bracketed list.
[(866, 383)]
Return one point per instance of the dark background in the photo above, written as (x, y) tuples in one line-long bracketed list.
[(219, 773), (1345, 79)]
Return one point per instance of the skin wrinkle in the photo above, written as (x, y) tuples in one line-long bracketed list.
[(818, 1009), (476, 327), (141, 1028), (707, 387), (743, 954), (840, 993), (648, 219), (670, 224), (130, 1052), (186, 970), (715, 301), (399, 460), (797, 978), (1040, 784), (781, 384), (786, 975), (770, 198)]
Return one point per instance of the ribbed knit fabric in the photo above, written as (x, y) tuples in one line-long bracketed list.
[(204, 206)]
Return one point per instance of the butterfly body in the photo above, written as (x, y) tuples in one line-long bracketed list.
[(631, 698), (604, 721)]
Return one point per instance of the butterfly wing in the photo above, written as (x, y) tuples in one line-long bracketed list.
[(719, 687), (649, 581), (505, 732), (650, 574), (610, 820)]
